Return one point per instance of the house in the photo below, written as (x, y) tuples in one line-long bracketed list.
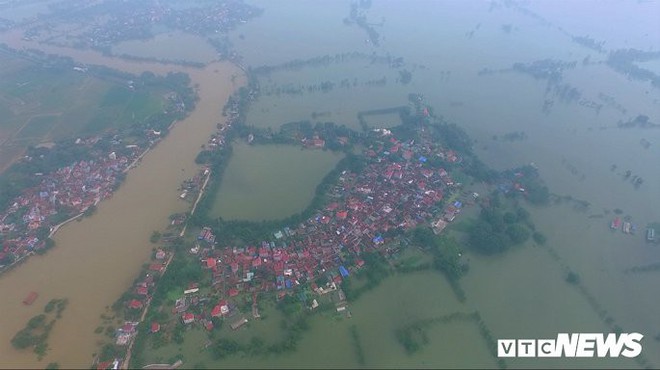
[(158, 267), (135, 304), (106, 365), (238, 323), (216, 311), (128, 327), (438, 226), (187, 318), (155, 327), (181, 305)]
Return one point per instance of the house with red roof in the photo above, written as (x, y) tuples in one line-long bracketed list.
[(216, 311), (142, 290), (187, 318), (134, 304), (105, 365), (155, 327)]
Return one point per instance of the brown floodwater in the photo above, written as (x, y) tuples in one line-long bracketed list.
[(97, 259)]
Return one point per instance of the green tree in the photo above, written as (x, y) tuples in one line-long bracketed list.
[(539, 238), (518, 233)]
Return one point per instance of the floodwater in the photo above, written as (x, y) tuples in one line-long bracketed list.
[(522, 294), (270, 181), (98, 258), (189, 48)]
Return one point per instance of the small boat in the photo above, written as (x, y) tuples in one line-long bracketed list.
[(184, 194), (650, 234), (30, 298), (616, 223)]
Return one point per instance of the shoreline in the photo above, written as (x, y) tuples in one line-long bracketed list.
[(199, 196)]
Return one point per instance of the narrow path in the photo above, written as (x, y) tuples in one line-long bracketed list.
[(127, 359)]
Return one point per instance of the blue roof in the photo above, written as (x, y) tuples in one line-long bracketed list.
[(422, 159), (343, 271), (378, 239), (457, 204), (288, 284)]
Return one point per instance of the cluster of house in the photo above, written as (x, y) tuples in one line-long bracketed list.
[(393, 192), (68, 191), (143, 291), (202, 20), (193, 184)]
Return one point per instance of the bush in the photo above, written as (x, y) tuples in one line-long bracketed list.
[(539, 238)]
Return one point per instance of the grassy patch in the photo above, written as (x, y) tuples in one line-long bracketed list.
[(38, 127), (40, 104)]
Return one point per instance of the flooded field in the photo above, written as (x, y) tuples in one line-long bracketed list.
[(399, 301), (39, 106), (332, 93), (189, 48), (270, 182)]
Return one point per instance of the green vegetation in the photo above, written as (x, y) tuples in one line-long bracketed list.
[(445, 250), (413, 336), (355, 339), (539, 238), (501, 225), (572, 278), (36, 331), (155, 237), (368, 278), (446, 253)]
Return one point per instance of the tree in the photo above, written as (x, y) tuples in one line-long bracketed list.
[(539, 238), (447, 257), (494, 217), (510, 218), (155, 237), (486, 240), (518, 233)]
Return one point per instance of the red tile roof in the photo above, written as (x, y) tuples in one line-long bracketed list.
[(135, 304)]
